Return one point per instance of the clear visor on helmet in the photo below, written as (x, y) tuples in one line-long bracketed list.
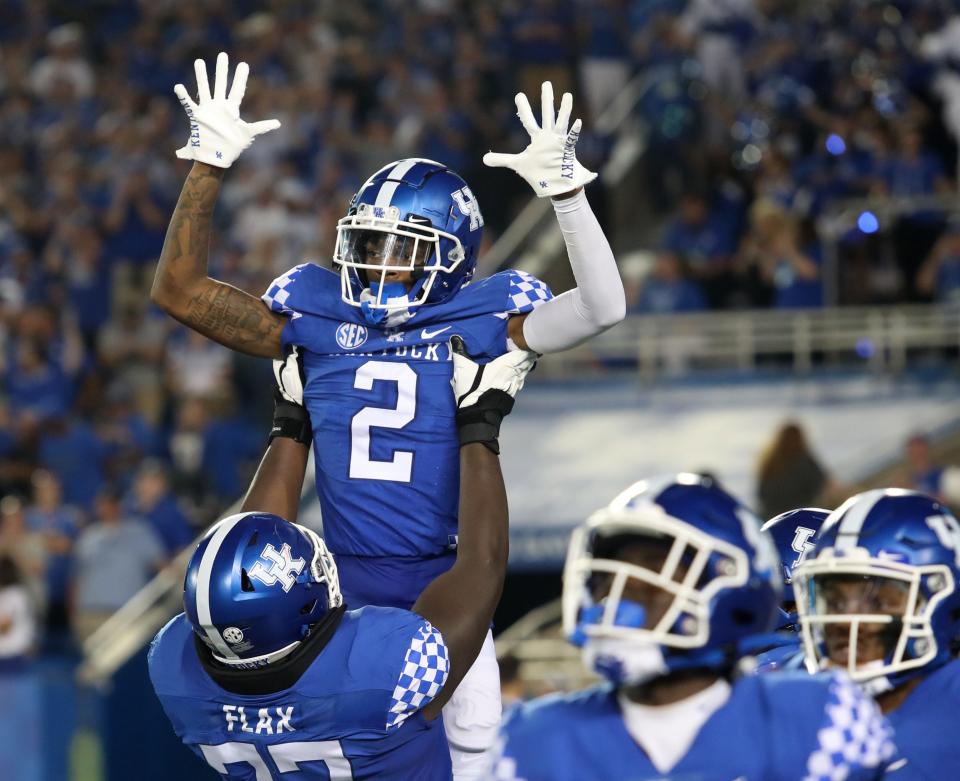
[(869, 618), (671, 569), (375, 248)]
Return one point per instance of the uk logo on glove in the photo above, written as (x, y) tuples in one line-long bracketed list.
[(549, 163), (217, 134)]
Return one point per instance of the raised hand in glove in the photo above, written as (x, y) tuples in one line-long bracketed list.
[(217, 134), (484, 393), (549, 163)]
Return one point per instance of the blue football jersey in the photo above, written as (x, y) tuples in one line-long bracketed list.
[(784, 727), (353, 714), (787, 654), (385, 442), (928, 749)]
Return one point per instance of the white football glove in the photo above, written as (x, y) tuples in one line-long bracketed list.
[(471, 380), (289, 375), (217, 134), (549, 163)]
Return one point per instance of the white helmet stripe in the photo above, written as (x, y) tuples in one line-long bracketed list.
[(203, 584), (848, 534), (651, 487), (388, 188)]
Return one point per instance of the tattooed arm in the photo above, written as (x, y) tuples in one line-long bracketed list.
[(182, 289)]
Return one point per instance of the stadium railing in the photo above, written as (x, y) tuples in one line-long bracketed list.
[(883, 339)]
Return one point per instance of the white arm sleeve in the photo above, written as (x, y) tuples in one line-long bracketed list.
[(597, 303)]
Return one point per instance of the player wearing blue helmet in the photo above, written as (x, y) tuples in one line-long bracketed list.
[(268, 675), (880, 599), (792, 533), (662, 589), (372, 338)]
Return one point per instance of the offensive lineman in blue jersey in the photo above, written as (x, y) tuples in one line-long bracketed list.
[(792, 533), (660, 590), (267, 675), (880, 598), (372, 339)]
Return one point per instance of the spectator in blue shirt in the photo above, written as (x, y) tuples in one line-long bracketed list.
[(114, 558), (58, 524), (773, 248), (923, 472), (152, 499), (71, 449), (665, 289), (36, 387), (698, 235)]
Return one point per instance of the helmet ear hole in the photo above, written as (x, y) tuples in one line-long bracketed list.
[(308, 608), (743, 617)]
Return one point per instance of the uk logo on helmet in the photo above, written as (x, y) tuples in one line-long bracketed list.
[(351, 335), (283, 568), (469, 206)]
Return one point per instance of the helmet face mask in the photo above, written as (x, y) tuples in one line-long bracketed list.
[(374, 250), (431, 226), (870, 617), (672, 575), (660, 565), (879, 598)]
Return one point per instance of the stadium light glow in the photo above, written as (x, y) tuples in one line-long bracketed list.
[(835, 144), (867, 222)]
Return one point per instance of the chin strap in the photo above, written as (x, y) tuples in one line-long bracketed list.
[(393, 293)]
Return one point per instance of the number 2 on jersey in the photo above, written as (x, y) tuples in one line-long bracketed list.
[(399, 468)]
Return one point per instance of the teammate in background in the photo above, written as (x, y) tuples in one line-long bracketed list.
[(792, 533), (880, 599), (661, 589), (373, 342), (267, 672)]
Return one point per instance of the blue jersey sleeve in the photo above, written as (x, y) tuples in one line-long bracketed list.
[(853, 740), (307, 289), (525, 292), (422, 675)]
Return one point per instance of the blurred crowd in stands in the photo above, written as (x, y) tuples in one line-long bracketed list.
[(121, 433)]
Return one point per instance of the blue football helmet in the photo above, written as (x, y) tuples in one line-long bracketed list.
[(255, 585), (881, 590), (793, 533), (682, 541), (414, 216)]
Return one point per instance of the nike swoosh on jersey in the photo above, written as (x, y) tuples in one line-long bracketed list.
[(900, 763), (427, 334)]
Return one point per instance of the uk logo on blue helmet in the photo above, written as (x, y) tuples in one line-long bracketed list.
[(880, 597), (674, 574), (793, 533), (255, 586), (411, 237)]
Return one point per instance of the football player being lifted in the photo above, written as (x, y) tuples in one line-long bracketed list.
[(880, 598), (662, 590), (371, 339), (268, 675)]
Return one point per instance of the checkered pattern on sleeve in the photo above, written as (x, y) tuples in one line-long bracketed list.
[(425, 668), (279, 291), (854, 736), (526, 292)]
